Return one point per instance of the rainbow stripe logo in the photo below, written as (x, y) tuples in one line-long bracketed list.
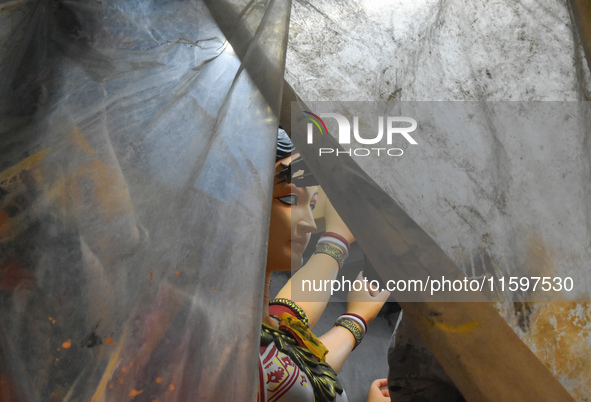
[(315, 120)]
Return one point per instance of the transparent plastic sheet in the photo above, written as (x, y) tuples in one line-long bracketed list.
[(476, 51), (372, 50), (137, 147), (445, 208), (488, 218)]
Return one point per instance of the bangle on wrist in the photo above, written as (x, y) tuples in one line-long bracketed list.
[(338, 237), (331, 250), (335, 242), (358, 319), (352, 327)]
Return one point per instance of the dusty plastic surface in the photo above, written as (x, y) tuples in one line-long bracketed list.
[(476, 51), (136, 151), (113, 177), (482, 189), (493, 200)]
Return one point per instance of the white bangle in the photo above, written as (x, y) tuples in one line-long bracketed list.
[(335, 242), (353, 318)]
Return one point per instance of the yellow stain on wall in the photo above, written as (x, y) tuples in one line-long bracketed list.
[(560, 336), (26, 163), (559, 333), (456, 329), (96, 185)]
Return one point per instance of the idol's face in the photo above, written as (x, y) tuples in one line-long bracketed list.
[(291, 221)]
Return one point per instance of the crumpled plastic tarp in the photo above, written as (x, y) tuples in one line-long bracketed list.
[(501, 204), (136, 149), (491, 184), (502, 192), (137, 143)]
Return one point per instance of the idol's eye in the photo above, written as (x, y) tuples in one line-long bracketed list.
[(291, 199), (312, 206)]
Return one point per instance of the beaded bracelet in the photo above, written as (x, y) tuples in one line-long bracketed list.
[(352, 327), (299, 312), (331, 250)]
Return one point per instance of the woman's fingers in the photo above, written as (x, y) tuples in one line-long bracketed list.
[(382, 384), (364, 301), (377, 392), (383, 296), (375, 292)]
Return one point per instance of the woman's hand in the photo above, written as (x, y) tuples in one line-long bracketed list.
[(334, 223), (377, 393), (366, 302)]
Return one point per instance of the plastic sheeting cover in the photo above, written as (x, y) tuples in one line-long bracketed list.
[(136, 159), (476, 51)]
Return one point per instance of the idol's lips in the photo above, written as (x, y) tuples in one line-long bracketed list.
[(299, 242)]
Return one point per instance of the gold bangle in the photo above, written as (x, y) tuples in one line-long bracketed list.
[(352, 327), (331, 250), (299, 312)]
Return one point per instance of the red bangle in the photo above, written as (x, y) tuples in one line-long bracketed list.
[(360, 317), (339, 237)]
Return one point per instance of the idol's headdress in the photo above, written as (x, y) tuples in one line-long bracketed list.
[(296, 172)]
